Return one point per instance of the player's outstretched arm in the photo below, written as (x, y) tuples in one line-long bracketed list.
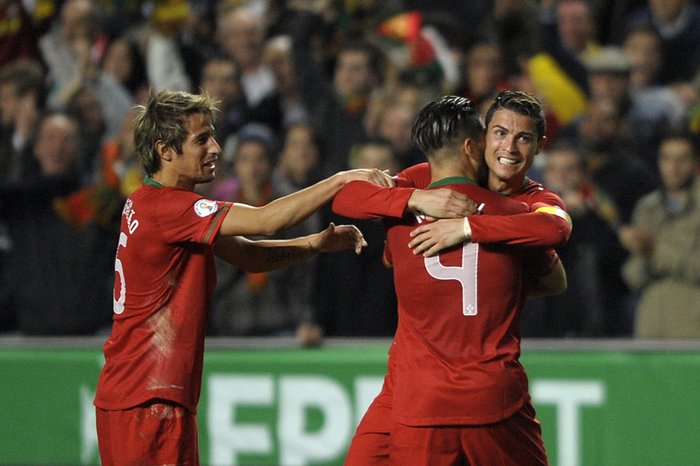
[(290, 210), (363, 200), (267, 255)]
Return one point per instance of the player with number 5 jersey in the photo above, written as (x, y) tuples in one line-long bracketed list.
[(148, 390)]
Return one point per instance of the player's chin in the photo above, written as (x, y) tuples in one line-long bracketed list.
[(508, 171), (206, 177)]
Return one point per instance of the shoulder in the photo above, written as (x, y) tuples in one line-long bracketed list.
[(535, 192), (415, 176), (650, 202)]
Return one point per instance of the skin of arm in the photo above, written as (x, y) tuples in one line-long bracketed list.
[(550, 284), (290, 210), (268, 255)]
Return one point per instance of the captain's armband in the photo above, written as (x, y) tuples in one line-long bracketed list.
[(554, 210)]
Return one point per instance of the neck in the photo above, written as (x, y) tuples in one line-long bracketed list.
[(506, 187), (165, 179), (680, 194), (440, 171)]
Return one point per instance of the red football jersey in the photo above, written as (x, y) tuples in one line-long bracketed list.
[(456, 349), (164, 281), (545, 230)]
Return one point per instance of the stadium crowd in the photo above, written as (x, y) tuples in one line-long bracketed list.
[(310, 87)]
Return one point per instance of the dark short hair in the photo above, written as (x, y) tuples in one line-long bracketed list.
[(520, 102), (446, 121)]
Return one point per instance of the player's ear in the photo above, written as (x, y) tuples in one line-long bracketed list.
[(469, 147), (164, 151), (540, 144)]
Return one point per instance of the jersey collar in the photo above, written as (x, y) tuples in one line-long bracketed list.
[(452, 180), (150, 181)]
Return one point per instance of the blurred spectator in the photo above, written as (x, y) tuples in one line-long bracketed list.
[(483, 72), (278, 56), (22, 95), (298, 161), (221, 79), (393, 124), (646, 112), (552, 70), (17, 32), (99, 117), (336, 106), (196, 36), (656, 109), (267, 303), (166, 60), (65, 289), (517, 30), (594, 302), (678, 24), (72, 50), (356, 293), (577, 27), (569, 37), (125, 64), (241, 35), (296, 169), (663, 240), (613, 167)]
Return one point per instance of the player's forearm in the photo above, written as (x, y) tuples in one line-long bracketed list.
[(265, 255), (552, 283), (532, 229), (364, 200), (282, 213)]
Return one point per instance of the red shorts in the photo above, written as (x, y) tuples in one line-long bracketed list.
[(516, 441), (370, 444), (157, 432)]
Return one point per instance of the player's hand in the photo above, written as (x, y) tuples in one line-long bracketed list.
[(430, 238), (338, 238), (373, 175), (441, 203)]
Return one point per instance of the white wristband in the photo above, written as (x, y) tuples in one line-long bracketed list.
[(466, 229)]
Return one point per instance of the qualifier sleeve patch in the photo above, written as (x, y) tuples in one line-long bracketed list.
[(205, 207)]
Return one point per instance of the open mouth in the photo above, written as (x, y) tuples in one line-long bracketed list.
[(508, 161)]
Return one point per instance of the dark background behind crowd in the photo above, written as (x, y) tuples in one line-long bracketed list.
[(308, 88)]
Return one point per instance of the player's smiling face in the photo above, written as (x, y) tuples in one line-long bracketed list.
[(511, 145), (200, 151)]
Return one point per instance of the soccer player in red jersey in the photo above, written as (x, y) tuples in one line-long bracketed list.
[(149, 387), (371, 443)]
